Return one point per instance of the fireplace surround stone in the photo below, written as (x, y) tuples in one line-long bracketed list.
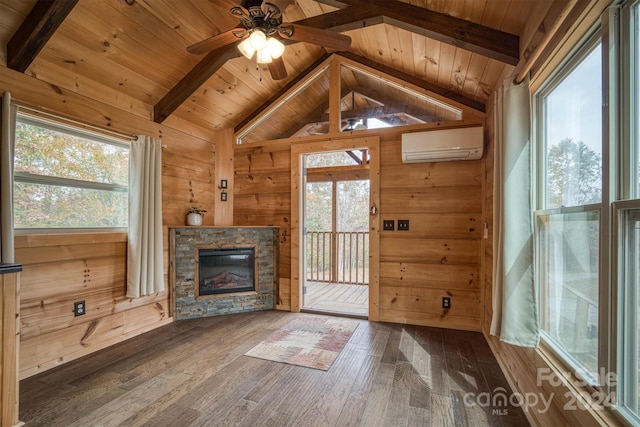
[(185, 242)]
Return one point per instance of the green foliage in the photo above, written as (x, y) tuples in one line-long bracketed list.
[(49, 153), (196, 210), (574, 174)]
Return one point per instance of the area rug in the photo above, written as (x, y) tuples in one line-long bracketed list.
[(309, 341)]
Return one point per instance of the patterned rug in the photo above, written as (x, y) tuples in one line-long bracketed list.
[(310, 341)]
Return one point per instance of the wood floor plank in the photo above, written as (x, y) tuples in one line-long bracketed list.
[(379, 395), (353, 409), (194, 373), (395, 413)]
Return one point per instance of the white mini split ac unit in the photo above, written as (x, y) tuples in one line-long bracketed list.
[(443, 145)]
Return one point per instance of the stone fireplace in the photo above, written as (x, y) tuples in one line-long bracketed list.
[(222, 270)]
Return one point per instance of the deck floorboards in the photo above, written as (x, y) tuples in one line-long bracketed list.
[(337, 298)]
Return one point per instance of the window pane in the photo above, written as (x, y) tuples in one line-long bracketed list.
[(568, 274), (43, 151), (630, 281), (60, 178), (338, 158), (573, 135), (50, 206)]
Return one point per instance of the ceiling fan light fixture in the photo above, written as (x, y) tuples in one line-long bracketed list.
[(275, 47), (246, 48), (258, 40), (263, 56)]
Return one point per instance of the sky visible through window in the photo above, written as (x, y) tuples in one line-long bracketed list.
[(574, 108)]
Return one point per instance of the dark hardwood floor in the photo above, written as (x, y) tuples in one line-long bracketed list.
[(194, 373)]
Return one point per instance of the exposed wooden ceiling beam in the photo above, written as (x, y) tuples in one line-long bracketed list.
[(458, 32), (454, 96), (362, 13), (211, 63), (36, 30), (193, 80), (351, 18)]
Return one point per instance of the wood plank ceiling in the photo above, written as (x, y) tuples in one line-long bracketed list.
[(132, 53)]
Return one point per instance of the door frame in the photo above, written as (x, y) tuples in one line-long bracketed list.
[(372, 144)]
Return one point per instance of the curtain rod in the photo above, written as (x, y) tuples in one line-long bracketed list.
[(70, 122)]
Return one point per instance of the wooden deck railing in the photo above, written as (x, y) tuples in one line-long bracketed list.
[(341, 257)]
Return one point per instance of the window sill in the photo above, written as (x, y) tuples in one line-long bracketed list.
[(578, 399)]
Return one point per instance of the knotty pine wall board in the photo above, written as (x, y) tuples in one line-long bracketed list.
[(62, 268), (439, 256)]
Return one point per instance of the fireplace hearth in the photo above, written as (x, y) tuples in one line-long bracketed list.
[(222, 270)]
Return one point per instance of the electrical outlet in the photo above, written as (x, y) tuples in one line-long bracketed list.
[(79, 308), (403, 225), (446, 303), (388, 225)]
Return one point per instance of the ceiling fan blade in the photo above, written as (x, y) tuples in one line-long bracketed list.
[(277, 69), (215, 42), (325, 38)]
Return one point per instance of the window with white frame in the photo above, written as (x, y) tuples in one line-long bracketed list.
[(568, 216), (584, 257), (627, 218), (67, 177)]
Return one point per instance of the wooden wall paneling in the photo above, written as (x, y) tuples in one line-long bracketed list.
[(423, 275), (445, 200), (41, 316), (428, 175), (262, 196), (374, 229), (72, 277), (198, 166), (297, 229), (60, 269), (10, 347), (440, 255), (63, 252), (224, 159), (92, 269), (430, 250), (429, 319), (435, 225), (41, 353), (276, 182), (41, 95), (428, 302)]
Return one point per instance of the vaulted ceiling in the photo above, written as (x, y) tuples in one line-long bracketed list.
[(132, 53)]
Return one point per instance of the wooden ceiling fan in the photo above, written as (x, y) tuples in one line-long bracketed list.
[(261, 27)]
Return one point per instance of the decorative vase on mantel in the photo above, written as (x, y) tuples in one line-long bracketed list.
[(194, 216)]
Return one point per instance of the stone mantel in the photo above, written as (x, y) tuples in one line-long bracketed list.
[(184, 242)]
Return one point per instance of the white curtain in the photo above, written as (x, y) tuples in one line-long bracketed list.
[(7, 138), (145, 273), (515, 311)]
